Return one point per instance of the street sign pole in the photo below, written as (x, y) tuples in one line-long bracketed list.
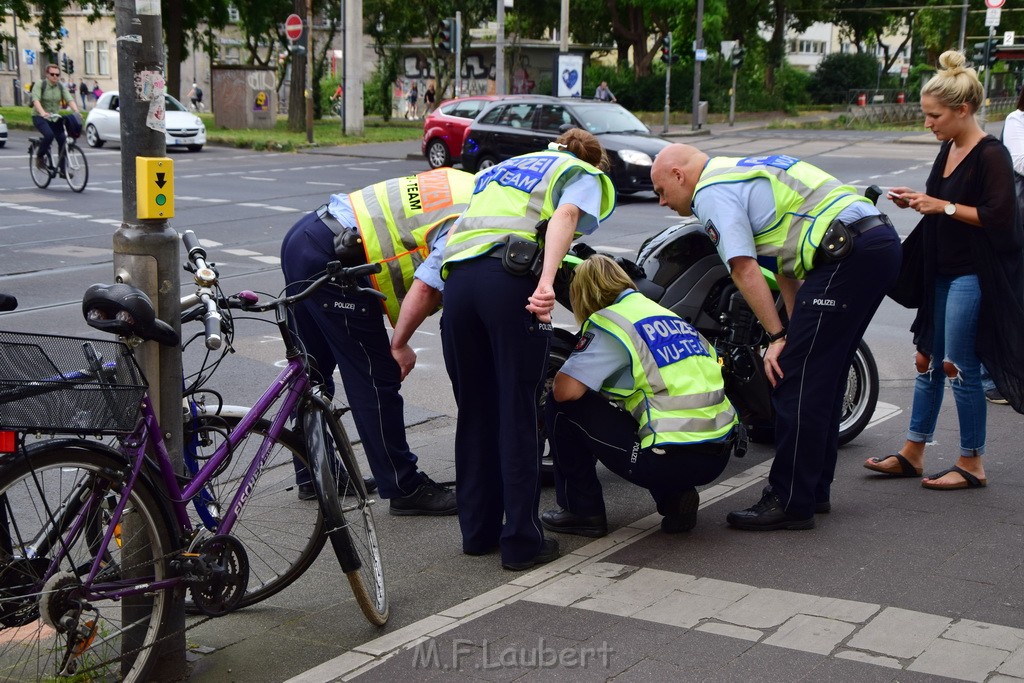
[(147, 255), (309, 71)]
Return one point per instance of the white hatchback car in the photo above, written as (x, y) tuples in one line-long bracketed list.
[(184, 129)]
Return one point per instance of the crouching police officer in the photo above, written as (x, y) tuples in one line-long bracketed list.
[(643, 393), (394, 222)]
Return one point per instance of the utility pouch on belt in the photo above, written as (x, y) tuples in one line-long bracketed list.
[(836, 243), (520, 255)]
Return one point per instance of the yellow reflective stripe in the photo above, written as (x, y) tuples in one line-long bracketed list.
[(688, 425)]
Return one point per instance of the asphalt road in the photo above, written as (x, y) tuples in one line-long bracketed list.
[(54, 243)]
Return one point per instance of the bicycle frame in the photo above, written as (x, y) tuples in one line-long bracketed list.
[(289, 387)]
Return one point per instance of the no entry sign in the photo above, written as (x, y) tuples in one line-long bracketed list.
[(293, 26), (994, 4)]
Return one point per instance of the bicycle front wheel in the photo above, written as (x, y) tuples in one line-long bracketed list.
[(280, 526), (40, 176), (347, 512), (76, 168), (55, 507)]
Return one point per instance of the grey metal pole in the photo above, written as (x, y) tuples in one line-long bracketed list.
[(983, 113), (563, 28), (668, 85), (458, 56), (20, 89), (698, 45), (354, 68), (732, 98), (309, 71), (146, 255), (963, 27), (499, 52), (344, 56)]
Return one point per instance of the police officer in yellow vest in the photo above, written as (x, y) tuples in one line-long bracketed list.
[(396, 223), (643, 393), (835, 257), (496, 328)]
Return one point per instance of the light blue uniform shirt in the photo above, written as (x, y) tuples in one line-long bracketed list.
[(580, 189), (602, 362), (740, 210)]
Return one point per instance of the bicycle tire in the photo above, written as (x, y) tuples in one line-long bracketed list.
[(76, 168), (347, 512), (31, 647), (282, 535), (40, 176)]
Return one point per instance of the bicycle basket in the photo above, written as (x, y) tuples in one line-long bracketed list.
[(68, 385)]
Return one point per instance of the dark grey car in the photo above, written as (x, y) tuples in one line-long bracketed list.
[(527, 123)]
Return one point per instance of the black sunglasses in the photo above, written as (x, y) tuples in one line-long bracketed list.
[(53, 73)]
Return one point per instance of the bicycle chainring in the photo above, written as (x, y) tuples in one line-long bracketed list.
[(223, 575)]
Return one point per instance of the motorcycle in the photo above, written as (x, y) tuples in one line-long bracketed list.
[(680, 269)]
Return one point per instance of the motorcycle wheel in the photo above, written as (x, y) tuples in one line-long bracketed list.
[(562, 345), (861, 395), (859, 401)]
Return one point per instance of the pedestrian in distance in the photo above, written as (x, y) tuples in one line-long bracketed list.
[(394, 223), (643, 393), (428, 99), (499, 268), (48, 98), (603, 93), (97, 92), (835, 257), (972, 280), (195, 96), (83, 92), (413, 97)]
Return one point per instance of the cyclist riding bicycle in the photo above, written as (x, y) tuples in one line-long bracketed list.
[(48, 98)]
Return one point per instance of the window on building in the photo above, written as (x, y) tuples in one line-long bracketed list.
[(9, 55), (103, 58), (233, 16), (89, 48)]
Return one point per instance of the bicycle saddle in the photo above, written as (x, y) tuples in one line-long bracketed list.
[(125, 311)]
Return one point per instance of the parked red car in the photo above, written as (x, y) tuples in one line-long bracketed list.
[(445, 127)]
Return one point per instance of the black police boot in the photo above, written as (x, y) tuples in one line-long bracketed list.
[(429, 498), (767, 515), (594, 526), (548, 552), (682, 515)]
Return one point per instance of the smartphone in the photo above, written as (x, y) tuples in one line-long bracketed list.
[(895, 196)]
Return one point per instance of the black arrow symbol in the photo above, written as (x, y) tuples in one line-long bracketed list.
[(160, 182)]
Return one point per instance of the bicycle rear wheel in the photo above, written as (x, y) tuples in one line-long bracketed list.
[(76, 168), (51, 626), (281, 533), (40, 176), (347, 511)]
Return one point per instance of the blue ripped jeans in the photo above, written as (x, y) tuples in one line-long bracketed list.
[(957, 305)]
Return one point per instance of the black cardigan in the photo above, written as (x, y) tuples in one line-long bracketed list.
[(998, 255)]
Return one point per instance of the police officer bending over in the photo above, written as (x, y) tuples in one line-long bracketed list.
[(642, 393), (394, 222), (835, 255)]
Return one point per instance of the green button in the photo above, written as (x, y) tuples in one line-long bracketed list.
[(161, 199)]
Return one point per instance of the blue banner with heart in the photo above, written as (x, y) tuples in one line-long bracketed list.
[(570, 80)]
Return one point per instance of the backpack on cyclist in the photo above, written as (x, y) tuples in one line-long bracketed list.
[(30, 102)]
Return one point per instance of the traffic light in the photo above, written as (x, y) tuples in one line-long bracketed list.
[(446, 37), (666, 49), (993, 48), (985, 53), (64, 64), (71, 67), (737, 56)]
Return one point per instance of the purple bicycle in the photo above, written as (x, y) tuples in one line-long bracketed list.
[(94, 538)]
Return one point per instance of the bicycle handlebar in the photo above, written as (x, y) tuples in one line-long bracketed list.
[(209, 310)]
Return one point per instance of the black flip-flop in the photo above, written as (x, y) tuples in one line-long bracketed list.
[(906, 469), (970, 481)]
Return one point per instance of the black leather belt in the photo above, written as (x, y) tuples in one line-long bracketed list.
[(861, 226), (330, 221)]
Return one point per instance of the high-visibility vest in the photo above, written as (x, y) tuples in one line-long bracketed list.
[(807, 200), (512, 198), (678, 394), (397, 219)]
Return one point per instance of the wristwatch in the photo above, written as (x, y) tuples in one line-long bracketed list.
[(781, 334), (949, 209)]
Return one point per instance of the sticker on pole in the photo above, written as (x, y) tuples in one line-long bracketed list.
[(993, 4), (293, 27)]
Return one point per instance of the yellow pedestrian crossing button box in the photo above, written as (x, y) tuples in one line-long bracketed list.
[(154, 187)]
